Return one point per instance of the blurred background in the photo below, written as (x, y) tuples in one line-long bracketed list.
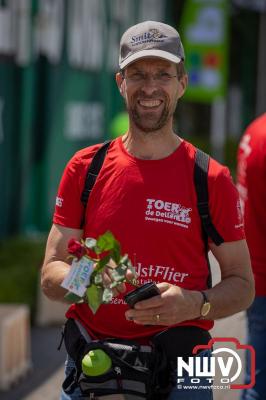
[(58, 60)]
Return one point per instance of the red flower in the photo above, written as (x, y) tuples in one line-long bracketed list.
[(76, 248)]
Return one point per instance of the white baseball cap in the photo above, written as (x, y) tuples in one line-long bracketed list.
[(150, 39)]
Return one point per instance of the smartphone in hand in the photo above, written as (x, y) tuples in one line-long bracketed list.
[(143, 292)]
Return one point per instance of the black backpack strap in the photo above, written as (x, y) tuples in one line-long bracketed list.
[(201, 184), (93, 172)]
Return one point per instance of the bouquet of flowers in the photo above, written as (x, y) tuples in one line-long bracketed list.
[(90, 257)]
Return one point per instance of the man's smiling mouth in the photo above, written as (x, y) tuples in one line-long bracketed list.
[(150, 103)]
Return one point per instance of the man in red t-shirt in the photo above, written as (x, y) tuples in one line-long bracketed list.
[(146, 197), (251, 177)]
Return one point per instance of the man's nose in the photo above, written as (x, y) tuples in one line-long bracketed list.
[(149, 85)]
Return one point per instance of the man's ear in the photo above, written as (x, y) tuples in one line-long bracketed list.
[(119, 81), (183, 82)]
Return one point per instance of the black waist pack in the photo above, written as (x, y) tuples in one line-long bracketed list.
[(140, 370), (180, 341)]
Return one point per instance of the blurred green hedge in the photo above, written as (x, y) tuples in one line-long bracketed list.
[(20, 263)]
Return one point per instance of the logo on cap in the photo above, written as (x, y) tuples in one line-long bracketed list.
[(153, 35)]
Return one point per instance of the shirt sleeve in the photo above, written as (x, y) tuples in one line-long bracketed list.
[(225, 206), (69, 208)]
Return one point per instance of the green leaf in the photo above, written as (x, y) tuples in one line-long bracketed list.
[(116, 283), (130, 266), (119, 273), (101, 264), (107, 295), (95, 296), (105, 242), (98, 279), (98, 269), (116, 252)]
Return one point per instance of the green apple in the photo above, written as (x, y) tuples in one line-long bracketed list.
[(96, 362)]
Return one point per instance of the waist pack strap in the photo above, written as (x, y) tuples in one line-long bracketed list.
[(71, 382), (75, 343)]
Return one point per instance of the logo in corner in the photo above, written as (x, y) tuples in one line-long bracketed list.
[(224, 365)]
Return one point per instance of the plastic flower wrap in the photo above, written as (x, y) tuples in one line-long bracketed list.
[(90, 257)]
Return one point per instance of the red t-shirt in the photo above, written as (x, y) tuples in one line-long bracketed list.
[(150, 207), (251, 175)]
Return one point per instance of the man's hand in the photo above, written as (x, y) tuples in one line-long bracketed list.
[(172, 306), (56, 264), (234, 293)]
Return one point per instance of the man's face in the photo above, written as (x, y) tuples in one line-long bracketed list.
[(151, 90)]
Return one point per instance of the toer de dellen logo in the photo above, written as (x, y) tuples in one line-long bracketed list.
[(224, 365)]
